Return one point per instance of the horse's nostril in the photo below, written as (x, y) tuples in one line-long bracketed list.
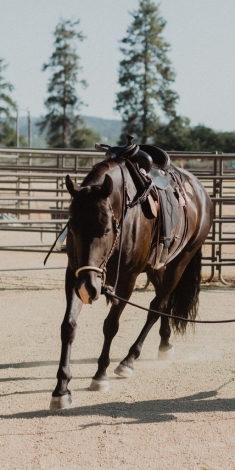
[(88, 287), (94, 293)]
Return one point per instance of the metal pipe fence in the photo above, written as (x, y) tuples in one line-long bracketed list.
[(33, 197)]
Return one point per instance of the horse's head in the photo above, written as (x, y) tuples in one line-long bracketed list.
[(92, 228)]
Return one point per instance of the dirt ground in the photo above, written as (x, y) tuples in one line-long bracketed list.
[(170, 415)]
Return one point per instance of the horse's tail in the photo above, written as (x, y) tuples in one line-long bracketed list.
[(184, 300)]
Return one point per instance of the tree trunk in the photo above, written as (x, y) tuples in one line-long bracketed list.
[(145, 97)]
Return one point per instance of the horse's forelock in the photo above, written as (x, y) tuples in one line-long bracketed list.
[(89, 188), (85, 197)]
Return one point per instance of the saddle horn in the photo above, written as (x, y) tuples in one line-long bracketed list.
[(143, 154), (102, 147)]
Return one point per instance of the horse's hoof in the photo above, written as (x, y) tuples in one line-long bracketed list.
[(123, 371), (58, 403), (99, 385), (166, 353)]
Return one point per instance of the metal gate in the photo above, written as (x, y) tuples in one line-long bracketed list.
[(33, 197)]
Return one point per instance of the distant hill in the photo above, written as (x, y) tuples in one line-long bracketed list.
[(108, 129)]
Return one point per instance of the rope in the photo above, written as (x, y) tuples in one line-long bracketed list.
[(106, 291), (54, 244)]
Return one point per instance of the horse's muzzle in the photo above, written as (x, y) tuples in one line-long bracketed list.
[(89, 284)]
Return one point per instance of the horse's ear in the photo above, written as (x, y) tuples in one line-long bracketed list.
[(107, 187), (71, 187)]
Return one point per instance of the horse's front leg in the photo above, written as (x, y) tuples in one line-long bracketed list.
[(61, 396), (100, 380)]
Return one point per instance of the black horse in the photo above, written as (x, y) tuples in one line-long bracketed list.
[(127, 218)]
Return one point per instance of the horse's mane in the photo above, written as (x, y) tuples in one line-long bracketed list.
[(95, 174)]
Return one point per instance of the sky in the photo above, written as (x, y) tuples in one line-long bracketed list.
[(201, 34)]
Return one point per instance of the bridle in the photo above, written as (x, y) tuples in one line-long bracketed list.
[(102, 268), (118, 232)]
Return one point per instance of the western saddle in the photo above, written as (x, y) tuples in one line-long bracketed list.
[(164, 189)]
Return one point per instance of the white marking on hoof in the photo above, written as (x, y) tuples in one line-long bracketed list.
[(166, 353), (123, 371), (58, 403), (99, 385)]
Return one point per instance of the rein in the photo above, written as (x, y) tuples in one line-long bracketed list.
[(106, 291), (56, 240)]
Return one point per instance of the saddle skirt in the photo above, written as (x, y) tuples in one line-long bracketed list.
[(172, 226)]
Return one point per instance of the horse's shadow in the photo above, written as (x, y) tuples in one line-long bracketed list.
[(31, 364), (147, 411)]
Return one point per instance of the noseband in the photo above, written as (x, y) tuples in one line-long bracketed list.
[(101, 271), (90, 268)]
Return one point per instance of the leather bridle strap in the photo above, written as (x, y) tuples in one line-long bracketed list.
[(113, 289)]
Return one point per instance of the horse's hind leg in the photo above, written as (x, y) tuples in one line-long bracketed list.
[(166, 350), (181, 279), (61, 396)]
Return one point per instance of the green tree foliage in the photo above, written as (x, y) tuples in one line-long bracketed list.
[(145, 75), (63, 121), (179, 135), (7, 110), (84, 138), (205, 139), (176, 135)]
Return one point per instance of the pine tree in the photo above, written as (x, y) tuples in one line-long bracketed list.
[(145, 76), (63, 119), (7, 110)]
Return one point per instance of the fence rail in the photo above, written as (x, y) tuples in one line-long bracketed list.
[(33, 197)]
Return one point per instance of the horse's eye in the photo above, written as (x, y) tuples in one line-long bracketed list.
[(107, 231)]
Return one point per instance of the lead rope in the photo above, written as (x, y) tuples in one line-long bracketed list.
[(168, 314)]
